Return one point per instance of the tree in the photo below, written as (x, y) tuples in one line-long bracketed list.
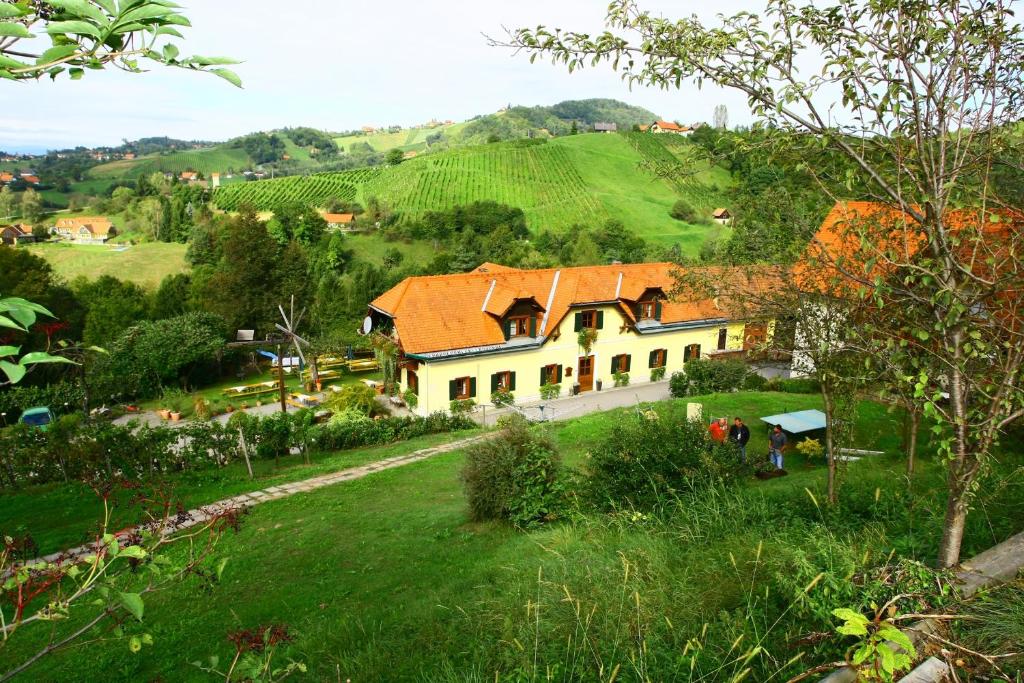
[(111, 307), (930, 101), (31, 206), (87, 35), (394, 157), (721, 117), (172, 297), (297, 221), (393, 258), (6, 201)]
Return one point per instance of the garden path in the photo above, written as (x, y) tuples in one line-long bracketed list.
[(204, 513)]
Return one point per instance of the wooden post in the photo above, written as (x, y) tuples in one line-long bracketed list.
[(245, 450), (280, 379)]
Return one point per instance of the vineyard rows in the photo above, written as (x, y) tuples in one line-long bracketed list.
[(682, 176), (317, 189)]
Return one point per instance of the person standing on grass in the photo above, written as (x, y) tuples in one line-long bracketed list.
[(717, 430), (776, 446), (739, 434)]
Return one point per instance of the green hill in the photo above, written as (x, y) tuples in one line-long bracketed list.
[(212, 159), (557, 120), (574, 179)]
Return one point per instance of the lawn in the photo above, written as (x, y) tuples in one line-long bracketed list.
[(371, 248), (385, 579), (144, 264)]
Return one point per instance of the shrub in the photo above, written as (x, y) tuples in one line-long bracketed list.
[(796, 385), (703, 376), (13, 400), (645, 460), (513, 476), (621, 379), (411, 399), (682, 210), (462, 406), (550, 391), (358, 397), (810, 448), (754, 382), (501, 399), (658, 374)]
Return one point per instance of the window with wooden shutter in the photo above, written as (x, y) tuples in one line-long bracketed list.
[(691, 352), (412, 381), (620, 363), (462, 388), (657, 358), (588, 320), (519, 326), (723, 338), (551, 374)]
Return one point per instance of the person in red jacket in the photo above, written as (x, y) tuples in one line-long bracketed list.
[(718, 430)]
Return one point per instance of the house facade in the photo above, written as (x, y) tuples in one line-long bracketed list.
[(669, 127), (16, 234), (468, 335), (84, 229)]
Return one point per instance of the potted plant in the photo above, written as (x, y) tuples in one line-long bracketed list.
[(164, 413), (229, 408), (599, 383), (586, 338), (175, 416)]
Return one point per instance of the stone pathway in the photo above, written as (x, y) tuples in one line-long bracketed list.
[(206, 512)]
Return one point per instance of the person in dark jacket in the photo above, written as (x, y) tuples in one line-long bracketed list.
[(739, 434), (777, 446)]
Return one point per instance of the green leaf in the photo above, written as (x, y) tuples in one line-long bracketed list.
[(7, 11), (9, 350), (7, 322), (81, 8), (147, 11), (108, 6), (82, 28), (220, 567), (211, 61), (76, 73), (135, 643), (133, 603), (43, 357), (8, 63), (170, 52), (57, 53), (12, 30), (229, 76), (133, 551), (14, 372)]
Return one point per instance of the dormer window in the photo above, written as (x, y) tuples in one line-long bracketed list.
[(650, 310), (517, 327)]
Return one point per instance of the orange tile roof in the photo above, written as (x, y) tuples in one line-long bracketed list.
[(6, 177), (668, 125), (337, 218), (718, 213), (463, 311), (96, 225)]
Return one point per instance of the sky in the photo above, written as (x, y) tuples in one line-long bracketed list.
[(338, 65)]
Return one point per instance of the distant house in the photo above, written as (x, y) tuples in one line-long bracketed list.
[(410, 154), (722, 216), (16, 234), (6, 177), (30, 179), (644, 127), (84, 229), (189, 175), (669, 127), (369, 130), (605, 128), (340, 220), (129, 155)]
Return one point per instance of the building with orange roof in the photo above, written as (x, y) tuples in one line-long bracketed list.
[(84, 229), (669, 127), (497, 328), (340, 220)]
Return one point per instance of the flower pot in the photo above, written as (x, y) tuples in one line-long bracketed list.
[(259, 404), (164, 413), (229, 409), (575, 389), (175, 417), (599, 385)]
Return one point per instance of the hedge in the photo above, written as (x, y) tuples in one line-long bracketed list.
[(78, 449)]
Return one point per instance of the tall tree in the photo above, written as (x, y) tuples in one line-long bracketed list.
[(6, 201), (721, 117), (931, 94), (31, 206)]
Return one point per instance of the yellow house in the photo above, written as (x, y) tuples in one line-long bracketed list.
[(468, 335)]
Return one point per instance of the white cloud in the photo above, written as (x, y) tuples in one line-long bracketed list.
[(338, 65)]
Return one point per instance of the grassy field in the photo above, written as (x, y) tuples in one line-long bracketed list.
[(584, 179), (206, 161), (144, 264), (372, 249), (384, 578), (411, 139)]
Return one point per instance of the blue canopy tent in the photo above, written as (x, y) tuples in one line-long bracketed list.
[(799, 422)]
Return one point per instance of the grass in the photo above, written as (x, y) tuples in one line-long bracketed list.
[(206, 161), (584, 179), (384, 579), (144, 264), (372, 249)]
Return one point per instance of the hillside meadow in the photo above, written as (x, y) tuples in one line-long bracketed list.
[(144, 264), (385, 578), (582, 179)]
